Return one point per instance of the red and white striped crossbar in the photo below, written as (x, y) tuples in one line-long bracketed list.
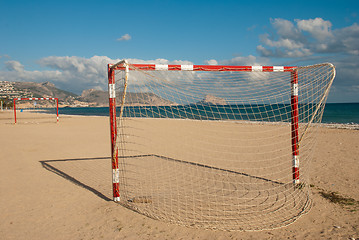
[(57, 105), (218, 68)]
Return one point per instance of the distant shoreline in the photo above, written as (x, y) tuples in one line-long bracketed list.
[(336, 115)]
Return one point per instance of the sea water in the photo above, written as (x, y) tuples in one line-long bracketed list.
[(334, 113)]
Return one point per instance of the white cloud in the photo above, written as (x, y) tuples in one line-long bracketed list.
[(157, 61), (5, 56), (72, 73), (125, 37), (14, 66), (310, 41), (282, 42), (211, 62), (285, 29), (345, 40), (308, 37), (245, 61), (318, 28)]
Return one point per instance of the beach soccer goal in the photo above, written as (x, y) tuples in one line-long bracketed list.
[(36, 110), (218, 147)]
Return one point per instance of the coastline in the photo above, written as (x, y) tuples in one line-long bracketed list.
[(349, 126), (10, 113)]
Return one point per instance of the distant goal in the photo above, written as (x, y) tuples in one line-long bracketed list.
[(36, 110), (219, 147)]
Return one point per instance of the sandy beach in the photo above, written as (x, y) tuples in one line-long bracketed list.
[(56, 184)]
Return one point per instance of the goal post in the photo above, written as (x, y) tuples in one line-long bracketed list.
[(234, 162), (294, 125), (56, 100), (113, 130)]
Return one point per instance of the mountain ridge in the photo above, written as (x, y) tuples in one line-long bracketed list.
[(88, 98), (97, 98)]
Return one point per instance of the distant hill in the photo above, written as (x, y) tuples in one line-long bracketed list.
[(99, 98), (135, 99), (91, 97), (96, 97), (45, 89)]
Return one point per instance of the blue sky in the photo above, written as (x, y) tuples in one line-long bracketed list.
[(69, 43)]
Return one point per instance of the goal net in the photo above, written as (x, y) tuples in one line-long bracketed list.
[(219, 147), (36, 110)]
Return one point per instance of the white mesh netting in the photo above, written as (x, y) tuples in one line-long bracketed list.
[(213, 149)]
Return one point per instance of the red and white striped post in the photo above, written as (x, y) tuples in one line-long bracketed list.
[(294, 125), (113, 128), (36, 99)]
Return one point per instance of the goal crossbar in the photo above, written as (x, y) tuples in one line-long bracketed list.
[(219, 68)]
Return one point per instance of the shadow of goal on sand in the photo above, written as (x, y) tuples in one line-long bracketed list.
[(192, 194), (93, 174)]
